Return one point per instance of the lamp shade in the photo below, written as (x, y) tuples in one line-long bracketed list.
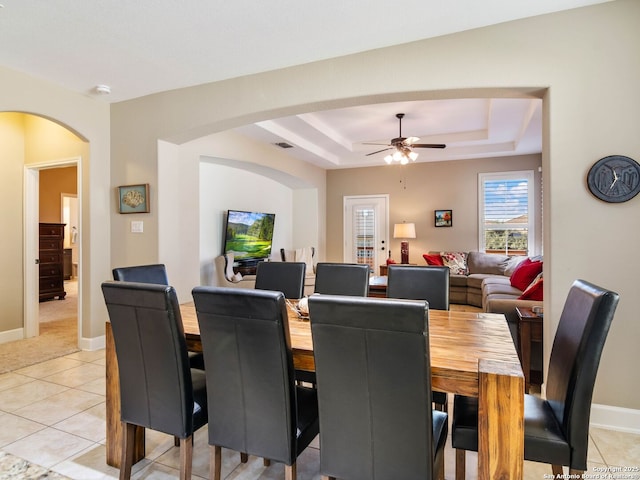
[(404, 230)]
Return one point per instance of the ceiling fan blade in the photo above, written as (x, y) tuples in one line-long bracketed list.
[(410, 140), (378, 151), (371, 143), (428, 145)]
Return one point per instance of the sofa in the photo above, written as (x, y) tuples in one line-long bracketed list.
[(486, 280)]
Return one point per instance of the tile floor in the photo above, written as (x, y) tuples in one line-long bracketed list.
[(53, 415)]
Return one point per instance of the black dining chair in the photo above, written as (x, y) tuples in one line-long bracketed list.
[(374, 389), (342, 279), (158, 389), (422, 283), (154, 274), (285, 277), (419, 283), (556, 429), (256, 407)]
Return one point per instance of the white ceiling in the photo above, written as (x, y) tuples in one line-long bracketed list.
[(147, 46)]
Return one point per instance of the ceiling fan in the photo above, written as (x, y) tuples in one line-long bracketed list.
[(403, 146)]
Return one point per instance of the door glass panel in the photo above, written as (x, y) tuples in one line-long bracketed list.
[(364, 223)]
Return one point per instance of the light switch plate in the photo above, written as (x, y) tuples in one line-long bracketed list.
[(137, 226)]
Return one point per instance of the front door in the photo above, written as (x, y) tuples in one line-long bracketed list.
[(366, 230)]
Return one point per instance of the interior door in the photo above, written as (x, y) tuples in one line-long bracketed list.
[(366, 230)]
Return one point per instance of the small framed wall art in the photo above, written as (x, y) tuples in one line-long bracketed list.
[(444, 218), (133, 198)]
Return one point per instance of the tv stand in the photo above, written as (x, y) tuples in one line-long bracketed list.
[(247, 267)]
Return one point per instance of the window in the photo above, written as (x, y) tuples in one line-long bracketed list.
[(506, 210)]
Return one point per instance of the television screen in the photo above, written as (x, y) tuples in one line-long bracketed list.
[(249, 234)]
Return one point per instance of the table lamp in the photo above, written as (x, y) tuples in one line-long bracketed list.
[(404, 231)]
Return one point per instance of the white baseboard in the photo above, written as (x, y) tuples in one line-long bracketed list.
[(11, 335), (615, 418), (92, 344)]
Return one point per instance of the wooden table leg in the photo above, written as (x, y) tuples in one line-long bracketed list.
[(500, 420), (114, 426)]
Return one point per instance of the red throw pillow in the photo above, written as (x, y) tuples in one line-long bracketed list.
[(525, 273), (533, 291), (435, 259)]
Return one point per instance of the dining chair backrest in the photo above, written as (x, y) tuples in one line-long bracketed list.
[(156, 385), (156, 273), (374, 388), (573, 365), (342, 279), (245, 340), (285, 277), (420, 283)]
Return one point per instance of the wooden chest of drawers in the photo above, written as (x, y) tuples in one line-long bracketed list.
[(51, 261)]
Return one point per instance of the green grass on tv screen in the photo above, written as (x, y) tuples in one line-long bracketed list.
[(246, 246)]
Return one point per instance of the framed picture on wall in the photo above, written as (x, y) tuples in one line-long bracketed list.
[(444, 218), (133, 198)]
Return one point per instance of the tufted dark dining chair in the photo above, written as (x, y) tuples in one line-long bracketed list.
[(285, 277), (255, 407), (374, 389), (422, 283), (342, 279), (556, 429), (158, 389), (155, 274)]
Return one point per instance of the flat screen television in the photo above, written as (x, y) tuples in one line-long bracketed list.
[(248, 235)]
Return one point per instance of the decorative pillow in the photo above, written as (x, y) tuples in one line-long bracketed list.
[(525, 273), (456, 261), (232, 277), (433, 259), (533, 291)]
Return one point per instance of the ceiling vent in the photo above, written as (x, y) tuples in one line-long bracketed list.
[(283, 145)]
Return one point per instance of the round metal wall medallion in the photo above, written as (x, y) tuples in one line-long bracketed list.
[(614, 179)]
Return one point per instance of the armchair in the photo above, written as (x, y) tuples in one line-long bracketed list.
[(220, 263), (308, 256)]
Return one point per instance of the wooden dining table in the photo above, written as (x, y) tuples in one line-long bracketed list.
[(472, 353)]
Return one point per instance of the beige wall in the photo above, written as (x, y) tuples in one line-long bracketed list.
[(588, 81), (415, 191), (11, 162), (53, 183), (87, 119)]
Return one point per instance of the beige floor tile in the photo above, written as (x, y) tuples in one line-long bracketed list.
[(200, 464), (617, 448), (60, 406), (87, 356), (47, 447), (18, 397), (77, 376), (593, 454), (10, 380), (14, 428), (90, 464), (101, 361), (157, 471), (89, 424), (44, 369), (97, 386)]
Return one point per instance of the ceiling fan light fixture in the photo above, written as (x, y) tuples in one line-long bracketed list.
[(388, 159), (413, 155)]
